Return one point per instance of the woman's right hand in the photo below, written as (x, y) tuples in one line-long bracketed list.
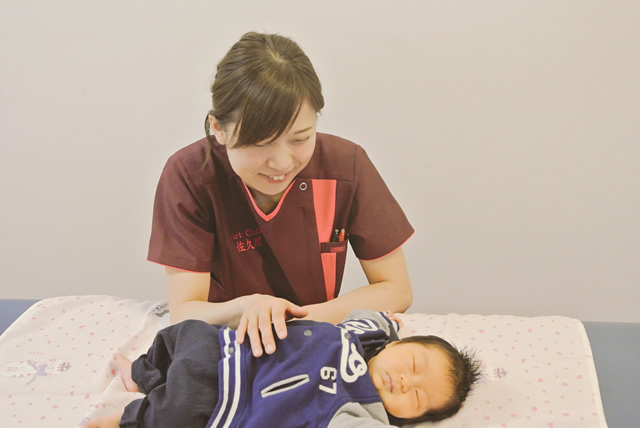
[(259, 312), (251, 315)]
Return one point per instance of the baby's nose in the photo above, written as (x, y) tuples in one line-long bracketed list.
[(404, 383)]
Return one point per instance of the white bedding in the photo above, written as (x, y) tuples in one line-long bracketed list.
[(56, 367), (538, 372)]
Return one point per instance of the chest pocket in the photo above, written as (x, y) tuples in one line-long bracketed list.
[(333, 254), (334, 258)]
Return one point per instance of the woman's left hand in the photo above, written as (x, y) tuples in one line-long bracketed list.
[(394, 317)]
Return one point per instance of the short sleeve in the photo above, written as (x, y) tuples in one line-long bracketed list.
[(182, 234), (378, 226)]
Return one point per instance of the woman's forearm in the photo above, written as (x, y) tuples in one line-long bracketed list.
[(188, 294), (389, 289), (227, 313), (382, 296)]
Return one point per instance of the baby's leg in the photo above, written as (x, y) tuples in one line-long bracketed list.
[(109, 421), (124, 367), (179, 375), (113, 420)]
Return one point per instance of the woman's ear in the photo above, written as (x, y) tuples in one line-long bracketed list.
[(217, 130)]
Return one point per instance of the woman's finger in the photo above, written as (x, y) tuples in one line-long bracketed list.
[(241, 330), (279, 318), (254, 336), (395, 318), (266, 330), (295, 311)]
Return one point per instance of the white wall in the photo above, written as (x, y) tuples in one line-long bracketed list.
[(508, 131)]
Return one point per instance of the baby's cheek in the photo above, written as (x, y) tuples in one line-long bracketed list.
[(400, 407), (389, 403)]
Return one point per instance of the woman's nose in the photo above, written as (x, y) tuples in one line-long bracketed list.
[(279, 157)]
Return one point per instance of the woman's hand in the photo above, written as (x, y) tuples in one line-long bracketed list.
[(394, 317), (250, 315), (259, 312)]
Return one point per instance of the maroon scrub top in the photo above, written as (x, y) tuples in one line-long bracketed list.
[(205, 220)]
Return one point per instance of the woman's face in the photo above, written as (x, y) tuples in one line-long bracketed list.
[(269, 167)]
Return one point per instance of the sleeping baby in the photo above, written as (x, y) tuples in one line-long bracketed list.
[(354, 374)]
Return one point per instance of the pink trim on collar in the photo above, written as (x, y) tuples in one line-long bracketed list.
[(268, 217)]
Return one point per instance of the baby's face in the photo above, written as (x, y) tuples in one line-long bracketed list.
[(411, 379)]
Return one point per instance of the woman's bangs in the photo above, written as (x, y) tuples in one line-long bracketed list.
[(268, 113)]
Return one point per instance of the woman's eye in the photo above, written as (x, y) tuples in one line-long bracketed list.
[(300, 141)]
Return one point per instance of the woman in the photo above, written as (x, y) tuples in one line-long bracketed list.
[(252, 222)]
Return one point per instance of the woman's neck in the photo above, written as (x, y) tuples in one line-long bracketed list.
[(266, 203)]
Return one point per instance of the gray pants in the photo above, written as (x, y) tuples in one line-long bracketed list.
[(179, 376)]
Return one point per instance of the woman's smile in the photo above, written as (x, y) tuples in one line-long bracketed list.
[(277, 178)]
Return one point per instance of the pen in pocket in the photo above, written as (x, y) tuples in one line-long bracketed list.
[(338, 235)]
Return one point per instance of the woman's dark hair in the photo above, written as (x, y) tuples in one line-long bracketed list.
[(465, 372), (260, 85)]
